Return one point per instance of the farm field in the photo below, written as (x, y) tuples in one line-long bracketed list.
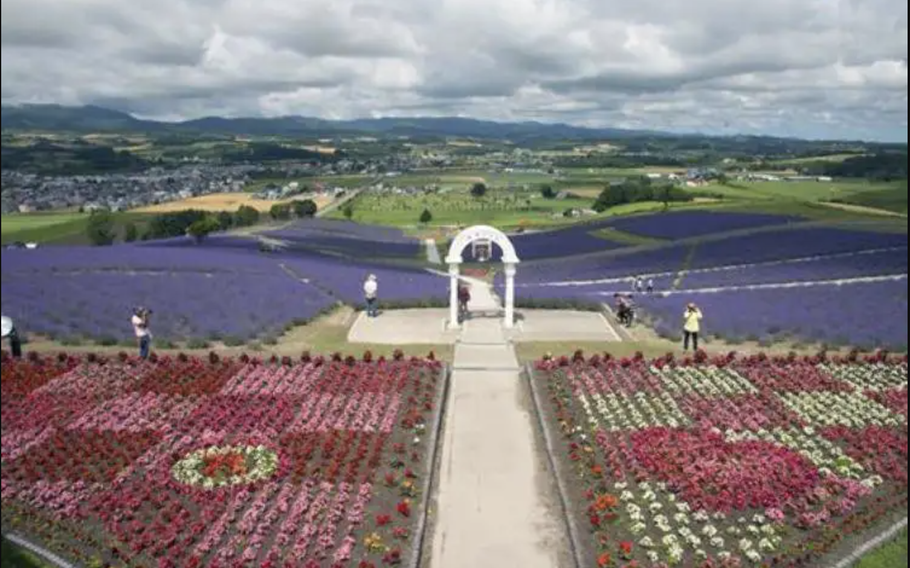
[(501, 208), (307, 462), (806, 191), (231, 202), (735, 461), (57, 228)]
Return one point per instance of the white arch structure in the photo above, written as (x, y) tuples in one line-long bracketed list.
[(509, 259)]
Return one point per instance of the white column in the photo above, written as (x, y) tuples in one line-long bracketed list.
[(510, 296), (453, 296)]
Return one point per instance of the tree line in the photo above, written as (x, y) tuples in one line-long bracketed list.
[(102, 226), (638, 190)]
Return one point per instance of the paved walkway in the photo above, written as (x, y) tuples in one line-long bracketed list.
[(492, 508)]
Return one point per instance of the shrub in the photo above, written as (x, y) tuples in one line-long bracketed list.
[(270, 340), (232, 341), (107, 341), (72, 341), (196, 344)]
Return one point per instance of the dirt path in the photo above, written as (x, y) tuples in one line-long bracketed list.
[(862, 209)]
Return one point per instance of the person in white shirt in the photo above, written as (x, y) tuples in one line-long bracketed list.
[(650, 286), (371, 294), (141, 328)]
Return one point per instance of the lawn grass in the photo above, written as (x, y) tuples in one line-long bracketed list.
[(15, 557), (892, 199), (500, 207), (891, 555), (15, 223), (59, 228)]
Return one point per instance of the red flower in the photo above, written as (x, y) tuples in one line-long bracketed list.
[(383, 520), (604, 560), (404, 509), (626, 549)]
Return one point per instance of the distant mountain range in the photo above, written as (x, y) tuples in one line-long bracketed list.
[(55, 118)]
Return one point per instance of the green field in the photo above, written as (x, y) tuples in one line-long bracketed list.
[(36, 222), (892, 555), (56, 228), (15, 557), (500, 207)]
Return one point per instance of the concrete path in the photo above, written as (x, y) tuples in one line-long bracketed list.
[(493, 508)]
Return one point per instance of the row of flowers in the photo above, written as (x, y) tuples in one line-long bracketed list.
[(722, 463), (214, 462)]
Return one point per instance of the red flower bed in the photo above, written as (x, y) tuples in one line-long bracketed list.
[(191, 463), (882, 450), (741, 412), (21, 378), (190, 378), (711, 470), (784, 377), (712, 474), (893, 399), (81, 456)]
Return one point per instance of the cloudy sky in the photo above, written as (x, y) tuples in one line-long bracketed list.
[(807, 68)]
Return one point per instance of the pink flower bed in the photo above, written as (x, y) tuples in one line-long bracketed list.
[(714, 463), (118, 472)]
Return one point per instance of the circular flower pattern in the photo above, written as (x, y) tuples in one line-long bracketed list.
[(216, 467)]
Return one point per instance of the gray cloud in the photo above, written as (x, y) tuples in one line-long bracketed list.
[(815, 68)]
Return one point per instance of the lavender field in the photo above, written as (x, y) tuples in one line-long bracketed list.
[(791, 244), (861, 314), (223, 288), (837, 267), (348, 239), (690, 224)]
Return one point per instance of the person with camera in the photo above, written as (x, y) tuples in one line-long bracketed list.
[(140, 322), (692, 327)]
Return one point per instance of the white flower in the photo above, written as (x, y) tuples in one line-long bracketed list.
[(745, 545), (754, 555), (766, 545), (718, 542), (709, 531), (646, 542), (638, 528), (653, 556)]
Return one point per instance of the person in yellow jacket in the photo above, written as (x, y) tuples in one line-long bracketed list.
[(692, 328)]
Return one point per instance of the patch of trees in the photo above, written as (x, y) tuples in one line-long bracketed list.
[(100, 229), (638, 191), (479, 190), (179, 223), (886, 166), (548, 192), (51, 159)]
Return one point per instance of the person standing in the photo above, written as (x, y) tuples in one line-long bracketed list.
[(141, 328), (692, 328), (10, 332), (464, 298), (639, 285), (371, 294), (650, 286)]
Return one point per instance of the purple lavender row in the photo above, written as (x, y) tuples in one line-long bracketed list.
[(689, 224), (863, 314), (800, 243), (885, 263)]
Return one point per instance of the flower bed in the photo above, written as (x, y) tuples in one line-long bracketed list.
[(727, 462), (222, 463)]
